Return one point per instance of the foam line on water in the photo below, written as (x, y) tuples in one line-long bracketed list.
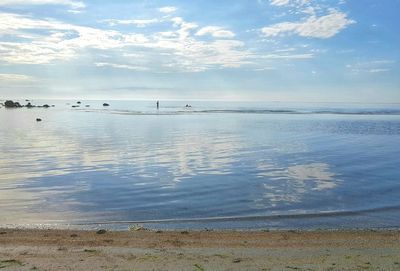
[(247, 111), (249, 218)]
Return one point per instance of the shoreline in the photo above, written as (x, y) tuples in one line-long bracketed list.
[(141, 249)]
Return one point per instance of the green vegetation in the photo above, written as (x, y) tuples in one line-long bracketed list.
[(11, 262), (199, 267)]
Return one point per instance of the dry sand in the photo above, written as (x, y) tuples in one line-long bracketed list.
[(198, 250)]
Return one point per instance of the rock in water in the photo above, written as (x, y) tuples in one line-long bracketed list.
[(38, 119), (11, 104), (106, 104)]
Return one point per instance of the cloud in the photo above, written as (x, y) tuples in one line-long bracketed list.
[(168, 9), (377, 70), (185, 28), (75, 11), (279, 2), (52, 41), (286, 56), (216, 32), (71, 3), (12, 77), (291, 3), (120, 66), (264, 69), (373, 66), (380, 62), (191, 55), (322, 27), (138, 23), (176, 49)]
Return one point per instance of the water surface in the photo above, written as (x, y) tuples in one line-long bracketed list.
[(219, 165)]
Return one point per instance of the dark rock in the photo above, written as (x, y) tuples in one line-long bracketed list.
[(38, 119), (106, 104), (46, 106), (11, 104), (78, 102), (75, 106), (29, 105), (101, 231)]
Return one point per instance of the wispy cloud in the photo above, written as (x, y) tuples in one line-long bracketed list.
[(177, 49), (168, 9), (279, 2), (372, 66), (12, 77), (184, 28), (290, 3), (137, 22), (377, 70), (215, 31), (120, 66), (52, 40), (75, 11), (287, 56), (71, 3), (322, 27)]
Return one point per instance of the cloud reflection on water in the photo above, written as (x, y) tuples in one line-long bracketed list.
[(53, 155), (67, 169), (292, 184)]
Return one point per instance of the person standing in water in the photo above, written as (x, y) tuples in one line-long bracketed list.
[(158, 104)]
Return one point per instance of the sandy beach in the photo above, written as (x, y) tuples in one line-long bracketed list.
[(198, 250)]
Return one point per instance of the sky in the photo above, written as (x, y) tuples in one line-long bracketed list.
[(234, 50)]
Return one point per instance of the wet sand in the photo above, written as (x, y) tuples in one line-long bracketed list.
[(199, 250)]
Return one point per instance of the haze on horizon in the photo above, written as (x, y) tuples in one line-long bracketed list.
[(261, 50)]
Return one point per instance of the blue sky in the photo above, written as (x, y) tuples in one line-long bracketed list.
[(262, 50)]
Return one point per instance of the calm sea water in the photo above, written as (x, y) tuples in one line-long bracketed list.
[(216, 165)]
